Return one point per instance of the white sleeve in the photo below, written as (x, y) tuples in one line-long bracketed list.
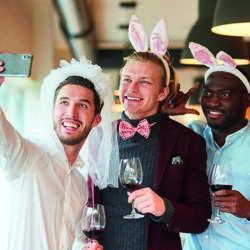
[(80, 239), (14, 149)]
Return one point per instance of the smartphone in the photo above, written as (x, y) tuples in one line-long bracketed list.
[(16, 64)]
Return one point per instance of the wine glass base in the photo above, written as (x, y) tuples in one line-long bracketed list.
[(133, 216), (217, 220)]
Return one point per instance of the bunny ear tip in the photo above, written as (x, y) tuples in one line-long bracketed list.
[(133, 17), (192, 44), (162, 20)]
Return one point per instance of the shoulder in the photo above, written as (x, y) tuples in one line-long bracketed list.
[(180, 128), (197, 126)]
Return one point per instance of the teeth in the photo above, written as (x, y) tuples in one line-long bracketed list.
[(133, 98), (214, 112), (69, 124)]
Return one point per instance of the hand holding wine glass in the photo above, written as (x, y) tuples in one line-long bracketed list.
[(131, 177), (220, 178), (93, 221)]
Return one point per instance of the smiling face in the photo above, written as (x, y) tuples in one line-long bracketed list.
[(74, 114), (224, 102), (140, 89)]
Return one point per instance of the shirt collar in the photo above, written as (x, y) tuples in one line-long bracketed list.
[(232, 138), (78, 163), (151, 119)]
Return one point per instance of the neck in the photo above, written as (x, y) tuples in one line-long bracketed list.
[(72, 152), (135, 116), (220, 135)]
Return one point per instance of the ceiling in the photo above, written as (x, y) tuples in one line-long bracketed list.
[(111, 19), (110, 16)]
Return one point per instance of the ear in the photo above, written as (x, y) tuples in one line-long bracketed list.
[(137, 34), (97, 120), (163, 95), (228, 60), (202, 55), (159, 38)]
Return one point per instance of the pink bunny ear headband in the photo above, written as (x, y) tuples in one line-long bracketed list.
[(204, 56), (158, 40)]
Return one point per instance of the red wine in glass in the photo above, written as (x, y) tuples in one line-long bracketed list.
[(93, 233), (130, 187), (131, 177), (93, 221), (217, 187), (220, 178)]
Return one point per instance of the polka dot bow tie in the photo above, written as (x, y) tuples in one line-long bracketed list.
[(127, 130)]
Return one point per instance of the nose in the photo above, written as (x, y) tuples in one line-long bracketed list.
[(214, 101), (71, 111), (133, 86)]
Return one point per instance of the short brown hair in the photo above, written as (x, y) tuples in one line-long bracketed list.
[(84, 82)]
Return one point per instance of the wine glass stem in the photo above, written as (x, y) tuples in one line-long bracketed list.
[(133, 208), (218, 212)]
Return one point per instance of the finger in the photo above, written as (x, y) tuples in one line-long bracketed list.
[(145, 210), (94, 245), (178, 86), (222, 193), (225, 209), (137, 193), (155, 207), (143, 201), (192, 111), (177, 99), (192, 90)]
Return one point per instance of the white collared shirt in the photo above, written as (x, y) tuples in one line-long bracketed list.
[(45, 197)]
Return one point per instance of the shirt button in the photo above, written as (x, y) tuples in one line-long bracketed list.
[(218, 153)]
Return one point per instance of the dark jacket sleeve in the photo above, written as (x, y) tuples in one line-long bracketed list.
[(193, 207)]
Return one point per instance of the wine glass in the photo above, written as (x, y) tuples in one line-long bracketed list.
[(93, 221), (220, 178), (131, 178)]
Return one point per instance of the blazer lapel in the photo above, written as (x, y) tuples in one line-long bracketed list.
[(167, 141)]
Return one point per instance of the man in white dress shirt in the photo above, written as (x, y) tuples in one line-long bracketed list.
[(47, 192)]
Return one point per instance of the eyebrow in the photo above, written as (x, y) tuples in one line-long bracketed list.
[(143, 77), (224, 89), (81, 100)]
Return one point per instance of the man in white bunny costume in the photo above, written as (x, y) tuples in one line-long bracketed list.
[(224, 102)]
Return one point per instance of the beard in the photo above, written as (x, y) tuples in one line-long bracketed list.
[(71, 140), (227, 122)]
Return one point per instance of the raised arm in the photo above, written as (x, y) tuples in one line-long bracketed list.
[(176, 104)]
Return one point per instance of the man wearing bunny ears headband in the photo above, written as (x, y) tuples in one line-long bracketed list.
[(174, 195), (224, 102), (48, 191)]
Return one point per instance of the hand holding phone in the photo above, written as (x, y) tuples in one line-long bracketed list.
[(16, 64)]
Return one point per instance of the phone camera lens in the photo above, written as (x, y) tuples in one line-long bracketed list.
[(26, 57)]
